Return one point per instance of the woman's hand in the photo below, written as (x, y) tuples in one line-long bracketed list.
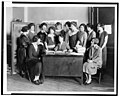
[(90, 61)]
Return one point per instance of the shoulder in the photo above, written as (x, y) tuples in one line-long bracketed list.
[(85, 34), (31, 46), (22, 36), (100, 49), (105, 33), (39, 33), (93, 32)]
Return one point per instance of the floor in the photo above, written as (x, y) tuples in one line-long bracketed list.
[(59, 84)]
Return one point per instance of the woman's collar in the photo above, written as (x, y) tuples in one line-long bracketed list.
[(90, 31), (73, 33)]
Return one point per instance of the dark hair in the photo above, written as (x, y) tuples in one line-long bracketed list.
[(30, 25), (96, 40), (51, 27), (90, 25), (25, 29), (58, 23), (74, 23), (35, 38), (68, 24), (41, 25), (101, 25), (83, 26)]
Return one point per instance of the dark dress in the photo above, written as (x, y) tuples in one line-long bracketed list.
[(49, 42), (62, 46), (73, 41), (31, 35), (42, 36), (89, 38), (33, 61), (61, 33), (22, 51), (104, 50)]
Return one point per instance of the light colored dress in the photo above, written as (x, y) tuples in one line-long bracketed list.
[(95, 54)]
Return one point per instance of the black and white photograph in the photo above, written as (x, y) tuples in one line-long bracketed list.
[(59, 48)]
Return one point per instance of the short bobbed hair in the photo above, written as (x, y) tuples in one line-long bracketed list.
[(35, 38)]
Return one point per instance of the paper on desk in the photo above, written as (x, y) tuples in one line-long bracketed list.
[(50, 52), (73, 53)]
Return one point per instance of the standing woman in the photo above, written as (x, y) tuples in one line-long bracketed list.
[(73, 36), (91, 34), (32, 33), (82, 35), (50, 40), (103, 38), (43, 33), (22, 50), (34, 61)]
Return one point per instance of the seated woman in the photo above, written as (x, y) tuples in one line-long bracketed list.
[(94, 60), (33, 61), (50, 40)]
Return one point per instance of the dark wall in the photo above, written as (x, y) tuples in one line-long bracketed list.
[(107, 16)]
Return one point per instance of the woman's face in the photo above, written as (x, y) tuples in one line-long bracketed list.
[(32, 28), (27, 32), (52, 31), (99, 29), (38, 42), (82, 29), (59, 27), (73, 27), (44, 28), (88, 28)]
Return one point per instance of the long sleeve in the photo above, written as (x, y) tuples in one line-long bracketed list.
[(85, 40), (98, 57), (30, 52), (24, 41)]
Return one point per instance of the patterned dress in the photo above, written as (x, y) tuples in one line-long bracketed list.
[(95, 54)]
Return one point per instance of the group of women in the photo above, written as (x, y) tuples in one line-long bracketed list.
[(66, 38)]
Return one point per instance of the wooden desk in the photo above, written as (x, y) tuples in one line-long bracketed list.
[(63, 65)]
